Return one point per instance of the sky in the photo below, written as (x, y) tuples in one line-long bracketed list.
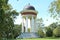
[(42, 6)]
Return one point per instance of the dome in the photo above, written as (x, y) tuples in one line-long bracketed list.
[(29, 7)]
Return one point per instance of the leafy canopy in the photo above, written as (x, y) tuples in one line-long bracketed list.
[(55, 9)]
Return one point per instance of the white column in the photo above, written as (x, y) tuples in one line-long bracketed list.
[(22, 25), (26, 24), (32, 24)]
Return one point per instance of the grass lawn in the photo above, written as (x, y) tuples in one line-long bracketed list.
[(41, 39), (47, 38)]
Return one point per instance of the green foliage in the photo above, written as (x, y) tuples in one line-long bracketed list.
[(17, 30), (28, 29), (40, 33), (40, 27), (7, 16), (40, 22), (56, 32), (55, 9), (50, 28), (49, 32), (53, 30), (53, 26)]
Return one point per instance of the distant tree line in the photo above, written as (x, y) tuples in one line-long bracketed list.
[(53, 30)]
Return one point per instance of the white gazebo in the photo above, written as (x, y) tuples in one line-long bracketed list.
[(30, 13)]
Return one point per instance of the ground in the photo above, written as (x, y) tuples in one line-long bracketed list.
[(40, 39)]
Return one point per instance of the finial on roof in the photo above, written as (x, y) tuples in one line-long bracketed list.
[(29, 7)]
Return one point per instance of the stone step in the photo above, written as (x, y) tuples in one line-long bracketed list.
[(28, 35)]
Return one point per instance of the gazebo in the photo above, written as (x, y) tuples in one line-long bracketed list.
[(30, 13)]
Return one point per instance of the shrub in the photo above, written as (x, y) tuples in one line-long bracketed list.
[(40, 33), (56, 32), (49, 32), (28, 29)]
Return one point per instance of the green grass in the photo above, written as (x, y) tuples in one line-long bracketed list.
[(40, 39), (47, 38)]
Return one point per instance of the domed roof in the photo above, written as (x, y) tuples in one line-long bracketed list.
[(29, 7)]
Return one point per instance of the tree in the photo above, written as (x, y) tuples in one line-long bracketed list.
[(49, 32), (40, 27), (40, 33), (55, 9), (7, 16), (40, 22), (17, 30), (3, 7), (53, 26), (56, 32)]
